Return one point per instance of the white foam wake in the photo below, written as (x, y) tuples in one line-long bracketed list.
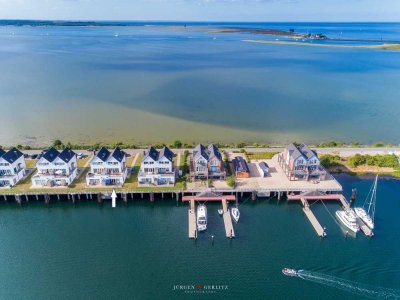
[(349, 286)]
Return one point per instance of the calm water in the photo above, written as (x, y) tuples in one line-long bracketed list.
[(90, 251), (153, 84)]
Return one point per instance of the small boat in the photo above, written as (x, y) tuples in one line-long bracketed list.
[(290, 272), (367, 212), (348, 219), (201, 217), (235, 214), (220, 212)]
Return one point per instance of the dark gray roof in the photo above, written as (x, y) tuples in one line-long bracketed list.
[(2, 152), (51, 154), (214, 151), (264, 166), (240, 165), (103, 154), (66, 155), (293, 151), (307, 152), (118, 154), (153, 153), (11, 155), (200, 150), (167, 153)]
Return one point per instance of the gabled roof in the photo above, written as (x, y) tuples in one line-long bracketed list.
[(152, 153), (214, 151), (11, 155), (293, 151), (167, 153), (2, 152), (66, 155), (240, 165), (51, 154), (118, 154), (307, 152), (200, 150), (103, 154)]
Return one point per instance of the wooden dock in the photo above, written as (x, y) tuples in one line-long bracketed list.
[(192, 220), (311, 217), (230, 233), (364, 228)]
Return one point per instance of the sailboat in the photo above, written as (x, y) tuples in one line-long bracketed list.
[(367, 212)]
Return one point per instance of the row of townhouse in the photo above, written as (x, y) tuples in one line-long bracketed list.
[(108, 168)]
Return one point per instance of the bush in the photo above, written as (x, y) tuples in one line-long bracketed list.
[(328, 160), (231, 181), (378, 144), (387, 160)]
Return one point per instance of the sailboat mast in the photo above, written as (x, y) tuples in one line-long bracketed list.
[(371, 207)]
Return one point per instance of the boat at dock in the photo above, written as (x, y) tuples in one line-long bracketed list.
[(235, 214), (201, 217), (348, 218), (220, 212), (367, 212)]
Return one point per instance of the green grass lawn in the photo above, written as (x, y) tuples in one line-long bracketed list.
[(260, 155)]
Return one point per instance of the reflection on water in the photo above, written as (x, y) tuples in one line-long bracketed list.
[(149, 84)]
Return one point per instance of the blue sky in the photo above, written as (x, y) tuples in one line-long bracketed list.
[(203, 10)]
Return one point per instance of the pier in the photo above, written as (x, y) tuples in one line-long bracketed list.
[(313, 220), (209, 196), (230, 233), (192, 220), (364, 228)]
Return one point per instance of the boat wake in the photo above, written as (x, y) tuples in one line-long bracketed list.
[(349, 286)]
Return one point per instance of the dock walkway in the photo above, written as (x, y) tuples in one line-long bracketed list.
[(364, 228), (192, 220), (311, 217), (230, 233)]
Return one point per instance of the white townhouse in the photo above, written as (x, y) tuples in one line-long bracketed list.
[(55, 168), (12, 167), (107, 168), (157, 167)]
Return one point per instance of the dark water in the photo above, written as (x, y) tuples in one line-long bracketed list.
[(160, 83), (142, 251)]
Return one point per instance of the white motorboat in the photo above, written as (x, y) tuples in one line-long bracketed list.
[(289, 272), (220, 212), (201, 217), (235, 214), (348, 219), (367, 212)]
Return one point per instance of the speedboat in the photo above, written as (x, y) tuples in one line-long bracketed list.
[(235, 214), (289, 272), (201, 217), (348, 219), (362, 214), (220, 212)]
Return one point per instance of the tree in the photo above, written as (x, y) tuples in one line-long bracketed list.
[(177, 144), (57, 144)]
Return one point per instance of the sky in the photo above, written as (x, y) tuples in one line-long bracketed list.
[(204, 10)]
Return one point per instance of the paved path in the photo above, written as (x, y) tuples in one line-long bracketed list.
[(178, 160), (134, 160)]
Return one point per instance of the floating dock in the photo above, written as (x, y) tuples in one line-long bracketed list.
[(313, 220), (210, 196), (230, 233), (192, 220), (364, 228)]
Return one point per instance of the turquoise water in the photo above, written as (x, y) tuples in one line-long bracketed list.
[(141, 251), (143, 84)]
